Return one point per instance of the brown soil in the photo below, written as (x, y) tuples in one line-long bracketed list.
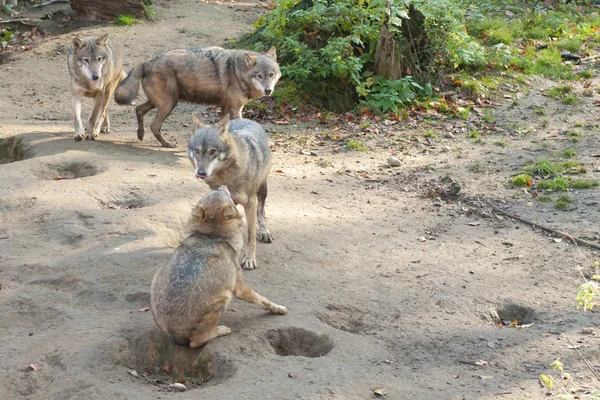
[(393, 278)]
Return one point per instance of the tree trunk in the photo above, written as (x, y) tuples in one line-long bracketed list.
[(108, 9)]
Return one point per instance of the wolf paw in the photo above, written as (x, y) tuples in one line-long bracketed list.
[(277, 309), (140, 134), (90, 137), (105, 129), (249, 263), (78, 137), (265, 236), (222, 330), (169, 144)]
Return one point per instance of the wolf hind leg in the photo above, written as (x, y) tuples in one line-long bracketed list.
[(263, 234), (155, 126), (140, 111)]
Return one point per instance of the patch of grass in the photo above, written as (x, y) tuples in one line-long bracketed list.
[(568, 153), (570, 44), (521, 180), (125, 20), (569, 100), (574, 136), (355, 145), (544, 198), (540, 111), (585, 74), (149, 13), (578, 125), (559, 91), (476, 167), (474, 135), (562, 203), (556, 185), (542, 167), (429, 134), (572, 168), (488, 119), (500, 143), (544, 123), (584, 183), (287, 93)]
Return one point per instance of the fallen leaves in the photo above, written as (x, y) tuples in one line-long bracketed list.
[(144, 309), (35, 367)]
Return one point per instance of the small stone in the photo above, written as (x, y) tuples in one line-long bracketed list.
[(394, 162), (133, 372), (179, 387)]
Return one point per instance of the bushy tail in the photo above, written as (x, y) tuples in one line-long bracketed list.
[(128, 90)]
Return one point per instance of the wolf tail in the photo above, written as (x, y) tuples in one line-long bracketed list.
[(128, 90)]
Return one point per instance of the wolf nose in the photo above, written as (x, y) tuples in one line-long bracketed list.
[(95, 77), (268, 91), (201, 174)]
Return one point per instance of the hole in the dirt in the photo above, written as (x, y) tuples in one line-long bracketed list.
[(70, 170), (14, 149), (128, 204), (157, 360), (299, 342), (511, 314)]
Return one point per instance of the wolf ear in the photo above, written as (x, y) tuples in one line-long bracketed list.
[(223, 188), (78, 44), (196, 121), (198, 212), (101, 40), (272, 53), (229, 212), (241, 210), (250, 59), (223, 124)]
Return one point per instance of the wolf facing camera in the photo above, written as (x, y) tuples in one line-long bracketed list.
[(213, 75), (96, 68), (236, 154)]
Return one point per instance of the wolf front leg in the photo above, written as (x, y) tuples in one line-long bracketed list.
[(245, 293), (93, 125), (76, 107), (264, 235), (249, 261)]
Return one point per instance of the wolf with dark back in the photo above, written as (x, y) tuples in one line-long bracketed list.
[(213, 75), (236, 154), (189, 294), (96, 68)]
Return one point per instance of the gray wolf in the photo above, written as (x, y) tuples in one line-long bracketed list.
[(189, 294), (228, 78), (96, 68), (236, 154)]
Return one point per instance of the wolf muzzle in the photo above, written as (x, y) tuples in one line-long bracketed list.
[(201, 174), (268, 91)]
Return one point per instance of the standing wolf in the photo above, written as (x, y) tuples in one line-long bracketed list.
[(189, 294), (96, 68), (228, 78), (236, 154)]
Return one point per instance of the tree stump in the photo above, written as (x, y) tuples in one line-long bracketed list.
[(108, 9)]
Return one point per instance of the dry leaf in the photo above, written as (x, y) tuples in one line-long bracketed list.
[(480, 363), (483, 377), (133, 372), (557, 240), (422, 239), (379, 391), (144, 309), (279, 171), (167, 369), (473, 223), (35, 367)]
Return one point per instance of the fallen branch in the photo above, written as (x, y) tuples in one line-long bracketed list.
[(584, 360), (590, 58), (24, 21), (50, 2), (574, 239)]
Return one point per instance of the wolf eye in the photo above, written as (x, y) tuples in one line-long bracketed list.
[(271, 74), (212, 152), (197, 151), (99, 58), (85, 60), (259, 76)]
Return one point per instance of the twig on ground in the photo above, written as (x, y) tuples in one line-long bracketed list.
[(583, 358), (590, 58), (574, 239), (50, 2)]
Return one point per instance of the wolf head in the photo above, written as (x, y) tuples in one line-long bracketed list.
[(209, 147), (263, 71), (216, 212), (91, 55)]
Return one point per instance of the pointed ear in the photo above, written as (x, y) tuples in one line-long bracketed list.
[(241, 210), (223, 188), (272, 53), (78, 44), (223, 124), (250, 59), (196, 122), (229, 212), (101, 40), (198, 212)]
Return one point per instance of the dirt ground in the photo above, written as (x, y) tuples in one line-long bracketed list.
[(401, 283)]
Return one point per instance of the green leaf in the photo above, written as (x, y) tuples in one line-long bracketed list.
[(546, 381)]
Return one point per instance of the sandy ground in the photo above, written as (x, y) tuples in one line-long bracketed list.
[(400, 283)]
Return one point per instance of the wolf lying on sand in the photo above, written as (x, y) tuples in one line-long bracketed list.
[(189, 294), (96, 68), (236, 154), (213, 75)]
